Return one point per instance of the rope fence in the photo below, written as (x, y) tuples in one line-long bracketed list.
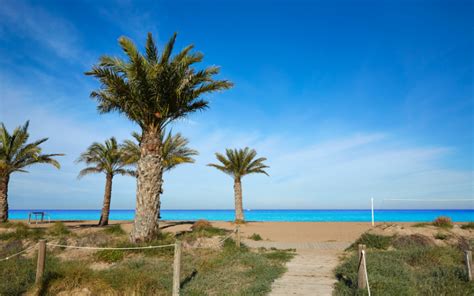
[(19, 253), (109, 248), (42, 246)]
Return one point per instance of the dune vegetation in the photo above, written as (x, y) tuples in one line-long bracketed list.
[(410, 261), (212, 270)]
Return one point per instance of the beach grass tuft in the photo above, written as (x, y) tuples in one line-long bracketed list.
[(22, 231), (255, 237), (373, 241), (469, 225), (58, 229), (115, 229)]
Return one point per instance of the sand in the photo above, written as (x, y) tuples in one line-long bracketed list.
[(288, 232)]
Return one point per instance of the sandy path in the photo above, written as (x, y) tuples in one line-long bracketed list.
[(310, 272)]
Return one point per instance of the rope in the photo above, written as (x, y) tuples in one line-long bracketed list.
[(105, 248), (365, 270), (415, 199), (16, 254)]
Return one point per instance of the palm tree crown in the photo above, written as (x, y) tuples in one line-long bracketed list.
[(153, 89), (16, 154), (174, 150), (240, 162), (105, 158)]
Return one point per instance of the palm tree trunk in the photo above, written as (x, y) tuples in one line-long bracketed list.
[(239, 210), (149, 182), (4, 179), (104, 217)]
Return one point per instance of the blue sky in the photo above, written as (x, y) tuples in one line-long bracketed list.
[(347, 99)]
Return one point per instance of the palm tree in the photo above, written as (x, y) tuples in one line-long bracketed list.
[(107, 158), (174, 150), (152, 90), (238, 163), (15, 156)]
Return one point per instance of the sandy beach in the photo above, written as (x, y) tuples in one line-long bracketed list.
[(291, 232)]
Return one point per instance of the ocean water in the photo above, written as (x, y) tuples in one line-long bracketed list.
[(266, 215)]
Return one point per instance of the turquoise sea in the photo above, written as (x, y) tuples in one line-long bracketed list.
[(266, 215)]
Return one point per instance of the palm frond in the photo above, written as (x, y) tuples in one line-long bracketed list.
[(151, 89), (240, 162), (108, 157), (16, 154)]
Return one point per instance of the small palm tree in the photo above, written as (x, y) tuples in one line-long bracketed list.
[(15, 156), (107, 158), (174, 150), (152, 90), (238, 163)]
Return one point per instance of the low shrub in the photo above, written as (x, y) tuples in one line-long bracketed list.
[(469, 225), (203, 228), (416, 271), (421, 224), (443, 222), (373, 241), (200, 225), (412, 241), (115, 229), (441, 236), (255, 237), (16, 275), (58, 229), (22, 231)]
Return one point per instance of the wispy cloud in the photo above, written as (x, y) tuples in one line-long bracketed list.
[(34, 23)]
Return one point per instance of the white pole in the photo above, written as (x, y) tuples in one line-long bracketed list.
[(372, 202)]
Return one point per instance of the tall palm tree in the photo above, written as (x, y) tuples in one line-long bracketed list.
[(107, 158), (238, 163), (174, 150), (152, 90), (15, 156)]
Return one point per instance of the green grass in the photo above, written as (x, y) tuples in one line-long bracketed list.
[(58, 229), (469, 225), (255, 237), (115, 229), (16, 275), (441, 236), (421, 224), (22, 231), (407, 271), (372, 241)]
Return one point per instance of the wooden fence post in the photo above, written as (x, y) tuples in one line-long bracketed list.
[(237, 237), (361, 280), (469, 267), (177, 268), (41, 260)]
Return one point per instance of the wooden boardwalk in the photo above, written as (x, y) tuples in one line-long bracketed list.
[(310, 272)]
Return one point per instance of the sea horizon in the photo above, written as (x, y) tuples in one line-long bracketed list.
[(264, 215)]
